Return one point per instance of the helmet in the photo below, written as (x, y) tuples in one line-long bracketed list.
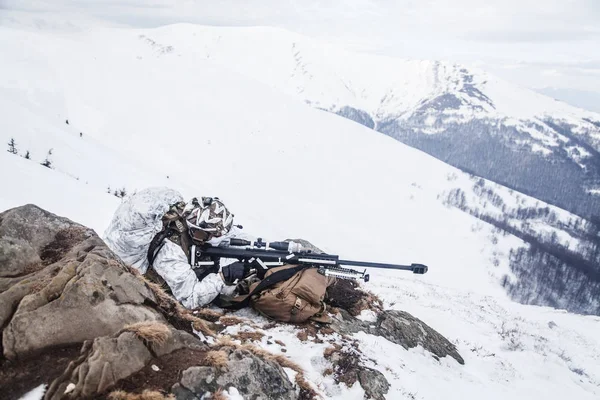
[(209, 218)]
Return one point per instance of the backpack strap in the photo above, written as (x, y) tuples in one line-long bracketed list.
[(157, 243), (238, 302), (171, 227)]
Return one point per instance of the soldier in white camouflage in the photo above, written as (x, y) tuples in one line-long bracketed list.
[(152, 231)]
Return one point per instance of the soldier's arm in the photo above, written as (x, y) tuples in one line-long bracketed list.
[(172, 265)]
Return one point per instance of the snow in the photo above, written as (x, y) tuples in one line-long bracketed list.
[(328, 76), (232, 393), (26, 182), (215, 111), (510, 350), (536, 148), (35, 394), (497, 366), (202, 115)]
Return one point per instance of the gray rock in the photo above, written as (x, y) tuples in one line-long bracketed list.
[(25, 232), (61, 285), (106, 360), (374, 383), (178, 340), (182, 393), (401, 328), (254, 377)]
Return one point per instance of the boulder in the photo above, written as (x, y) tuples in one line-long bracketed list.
[(106, 360), (401, 328), (374, 383), (254, 377), (61, 285)]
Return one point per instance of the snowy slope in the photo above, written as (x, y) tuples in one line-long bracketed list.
[(384, 87), (148, 110), (447, 110), (267, 155)]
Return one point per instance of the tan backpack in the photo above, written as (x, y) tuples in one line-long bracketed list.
[(290, 293)]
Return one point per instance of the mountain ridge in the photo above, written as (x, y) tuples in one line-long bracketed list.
[(451, 112)]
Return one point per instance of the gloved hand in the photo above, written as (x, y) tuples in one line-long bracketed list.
[(234, 272)]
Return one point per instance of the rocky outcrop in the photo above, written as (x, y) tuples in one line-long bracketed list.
[(254, 377), (374, 383), (61, 285), (348, 368), (62, 289), (106, 360), (401, 328)]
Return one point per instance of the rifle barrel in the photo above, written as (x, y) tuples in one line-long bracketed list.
[(416, 268), (374, 265), (303, 257)]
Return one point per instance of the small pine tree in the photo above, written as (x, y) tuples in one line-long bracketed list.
[(47, 162), (12, 146), (108, 189), (27, 155), (120, 193)]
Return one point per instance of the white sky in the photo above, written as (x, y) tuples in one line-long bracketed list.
[(551, 43)]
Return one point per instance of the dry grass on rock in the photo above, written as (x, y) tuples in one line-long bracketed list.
[(219, 395), (302, 335), (306, 391), (249, 336), (230, 321), (216, 358), (145, 395), (150, 331), (176, 314), (348, 295), (346, 364), (208, 314)]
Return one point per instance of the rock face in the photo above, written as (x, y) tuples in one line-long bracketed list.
[(106, 360), (374, 383), (61, 285), (62, 289), (254, 377), (401, 328)]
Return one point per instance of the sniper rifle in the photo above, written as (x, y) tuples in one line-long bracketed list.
[(265, 255)]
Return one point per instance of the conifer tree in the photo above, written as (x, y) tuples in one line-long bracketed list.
[(47, 162), (12, 146)]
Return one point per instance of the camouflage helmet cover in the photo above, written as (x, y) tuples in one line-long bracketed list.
[(209, 218)]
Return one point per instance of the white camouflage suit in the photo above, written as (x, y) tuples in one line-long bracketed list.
[(135, 223)]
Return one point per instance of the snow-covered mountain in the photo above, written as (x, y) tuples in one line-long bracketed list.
[(159, 107), (465, 117)]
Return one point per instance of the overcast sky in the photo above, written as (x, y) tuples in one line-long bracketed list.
[(550, 43)]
